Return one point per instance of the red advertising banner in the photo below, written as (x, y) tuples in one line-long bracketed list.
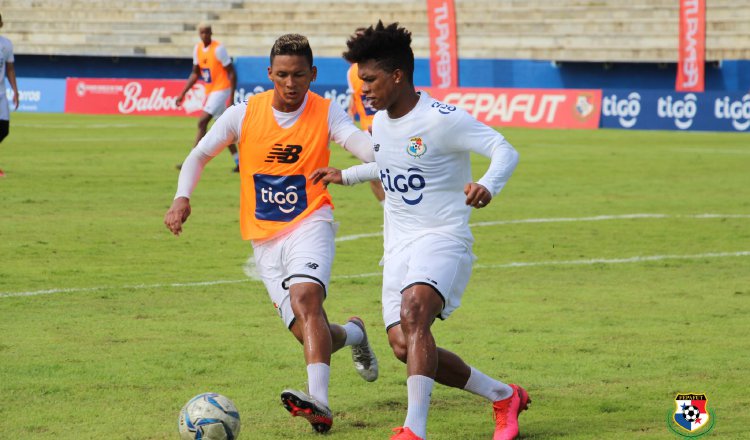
[(538, 108), (441, 18), (692, 56), (131, 97)]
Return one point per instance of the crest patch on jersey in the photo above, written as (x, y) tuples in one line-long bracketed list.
[(416, 147)]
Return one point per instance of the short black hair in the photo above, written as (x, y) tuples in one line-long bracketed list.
[(389, 46), (292, 44)]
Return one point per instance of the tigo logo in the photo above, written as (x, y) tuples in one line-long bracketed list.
[(403, 184), (206, 75), (681, 110), (443, 108), (737, 111), (627, 110), (279, 198)]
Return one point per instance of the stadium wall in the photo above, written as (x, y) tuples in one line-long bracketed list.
[(540, 96), (732, 75)]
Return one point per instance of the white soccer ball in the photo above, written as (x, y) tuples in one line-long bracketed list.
[(209, 416)]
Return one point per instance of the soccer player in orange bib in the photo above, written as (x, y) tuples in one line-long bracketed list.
[(213, 66), (361, 107), (283, 135)]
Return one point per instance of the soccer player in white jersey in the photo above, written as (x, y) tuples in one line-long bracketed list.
[(422, 151), (7, 68), (283, 136)]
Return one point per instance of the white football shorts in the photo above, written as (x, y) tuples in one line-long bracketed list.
[(216, 102), (303, 255), (436, 260)]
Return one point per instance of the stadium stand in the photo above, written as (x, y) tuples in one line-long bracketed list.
[(564, 30)]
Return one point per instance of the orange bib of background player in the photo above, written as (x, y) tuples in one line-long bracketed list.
[(275, 164), (359, 102), (213, 73)]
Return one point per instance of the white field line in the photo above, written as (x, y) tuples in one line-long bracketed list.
[(710, 151), (125, 287), (597, 218), (249, 267), (637, 259)]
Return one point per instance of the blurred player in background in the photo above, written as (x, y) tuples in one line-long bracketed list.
[(213, 65), (422, 157), (283, 135), (7, 68), (358, 106)]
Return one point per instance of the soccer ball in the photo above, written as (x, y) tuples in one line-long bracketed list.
[(691, 413), (209, 416)]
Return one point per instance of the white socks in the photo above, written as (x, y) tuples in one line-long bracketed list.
[(483, 385), (318, 376), (354, 334), (420, 391)]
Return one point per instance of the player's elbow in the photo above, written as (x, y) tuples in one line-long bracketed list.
[(514, 157), (511, 152)]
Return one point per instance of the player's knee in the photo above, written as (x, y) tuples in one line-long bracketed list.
[(415, 314), (307, 301), (306, 309)]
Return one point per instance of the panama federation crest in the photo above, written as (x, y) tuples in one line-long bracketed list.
[(691, 416), (416, 147), (584, 107)]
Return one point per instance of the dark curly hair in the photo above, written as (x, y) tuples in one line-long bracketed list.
[(389, 46)]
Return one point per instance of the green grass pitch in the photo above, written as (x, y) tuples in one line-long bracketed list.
[(613, 273)]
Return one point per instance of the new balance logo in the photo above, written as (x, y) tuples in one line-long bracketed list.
[(284, 154), (312, 265)]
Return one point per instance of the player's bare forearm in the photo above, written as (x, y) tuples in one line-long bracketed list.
[(327, 175), (177, 215), (11, 74), (232, 76), (477, 195), (192, 79)]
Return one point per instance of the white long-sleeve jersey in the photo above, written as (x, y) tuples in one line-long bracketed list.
[(422, 160)]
